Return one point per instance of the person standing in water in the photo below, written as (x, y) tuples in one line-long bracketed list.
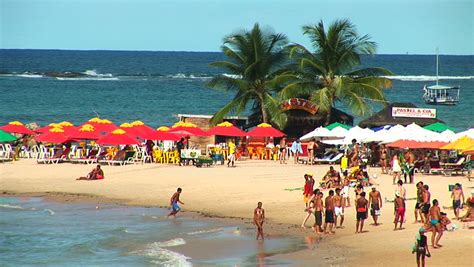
[(175, 208), (258, 219)]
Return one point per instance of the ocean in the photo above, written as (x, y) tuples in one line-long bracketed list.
[(36, 232), (47, 86)]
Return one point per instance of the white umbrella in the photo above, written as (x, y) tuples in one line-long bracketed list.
[(321, 133), (469, 133), (357, 133)]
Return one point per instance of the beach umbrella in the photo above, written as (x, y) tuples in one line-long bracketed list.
[(53, 135), (143, 130), (438, 127), (163, 128), (46, 128), (6, 137), (417, 144), (16, 127), (265, 130), (226, 129), (462, 144), (337, 124), (469, 133), (182, 128), (85, 132), (162, 136), (118, 137), (322, 133), (102, 125), (356, 132)]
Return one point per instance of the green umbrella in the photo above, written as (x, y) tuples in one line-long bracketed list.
[(438, 127), (337, 124), (6, 137)]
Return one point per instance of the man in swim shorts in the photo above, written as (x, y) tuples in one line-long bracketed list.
[(175, 208), (419, 201), (435, 221), (338, 208), (329, 213), (362, 205), (456, 195), (375, 200), (399, 211), (425, 208), (318, 212)]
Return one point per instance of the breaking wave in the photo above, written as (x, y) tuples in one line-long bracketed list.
[(164, 257)]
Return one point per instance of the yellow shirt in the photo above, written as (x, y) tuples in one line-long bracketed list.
[(231, 148), (344, 162)]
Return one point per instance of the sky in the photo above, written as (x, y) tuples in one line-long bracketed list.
[(398, 27)]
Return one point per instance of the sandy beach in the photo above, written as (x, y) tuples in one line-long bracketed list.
[(232, 193)]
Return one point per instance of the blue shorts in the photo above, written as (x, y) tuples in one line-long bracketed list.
[(175, 207)]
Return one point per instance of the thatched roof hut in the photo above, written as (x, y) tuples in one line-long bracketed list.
[(384, 117)]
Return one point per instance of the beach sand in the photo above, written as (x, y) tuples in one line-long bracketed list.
[(232, 193)]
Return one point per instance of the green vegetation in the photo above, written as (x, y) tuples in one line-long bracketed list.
[(329, 74)]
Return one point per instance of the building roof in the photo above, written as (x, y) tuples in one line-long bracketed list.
[(210, 116), (384, 117)]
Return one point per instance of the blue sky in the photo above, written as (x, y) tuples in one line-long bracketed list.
[(399, 27)]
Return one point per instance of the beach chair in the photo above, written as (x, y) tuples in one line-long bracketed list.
[(331, 159), (58, 157), (120, 159), (91, 158), (449, 168)]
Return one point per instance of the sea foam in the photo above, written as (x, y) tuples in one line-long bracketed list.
[(164, 257)]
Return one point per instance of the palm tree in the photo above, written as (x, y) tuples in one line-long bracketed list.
[(332, 73), (254, 58)]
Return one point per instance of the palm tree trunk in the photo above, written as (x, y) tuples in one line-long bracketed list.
[(328, 116), (264, 113)]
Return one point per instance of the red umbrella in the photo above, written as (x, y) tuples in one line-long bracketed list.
[(415, 144), (187, 128), (86, 132), (65, 125), (16, 127), (265, 130), (54, 135), (139, 129), (102, 125), (118, 137), (226, 129)]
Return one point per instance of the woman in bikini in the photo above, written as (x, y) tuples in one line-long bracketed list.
[(311, 147), (383, 158), (258, 219)]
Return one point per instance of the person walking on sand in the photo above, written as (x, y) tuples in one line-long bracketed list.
[(456, 195), (338, 208), (258, 219), (435, 221), (362, 205), (231, 156), (329, 213), (309, 211), (399, 211), (175, 208), (375, 200), (421, 248), (396, 169)]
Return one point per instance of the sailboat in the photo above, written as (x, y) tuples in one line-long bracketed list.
[(440, 94)]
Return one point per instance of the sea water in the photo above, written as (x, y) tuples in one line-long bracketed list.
[(156, 86), (35, 232)]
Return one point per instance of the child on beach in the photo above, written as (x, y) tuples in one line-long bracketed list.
[(258, 219), (175, 208), (421, 248)]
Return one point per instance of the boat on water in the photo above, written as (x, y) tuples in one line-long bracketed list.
[(440, 94)]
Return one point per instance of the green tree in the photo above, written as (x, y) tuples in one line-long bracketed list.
[(254, 59), (332, 72)]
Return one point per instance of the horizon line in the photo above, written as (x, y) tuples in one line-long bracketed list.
[(197, 51)]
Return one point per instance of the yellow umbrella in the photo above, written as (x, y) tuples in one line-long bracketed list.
[(460, 144)]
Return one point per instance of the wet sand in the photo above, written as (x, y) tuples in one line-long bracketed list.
[(232, 193)]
